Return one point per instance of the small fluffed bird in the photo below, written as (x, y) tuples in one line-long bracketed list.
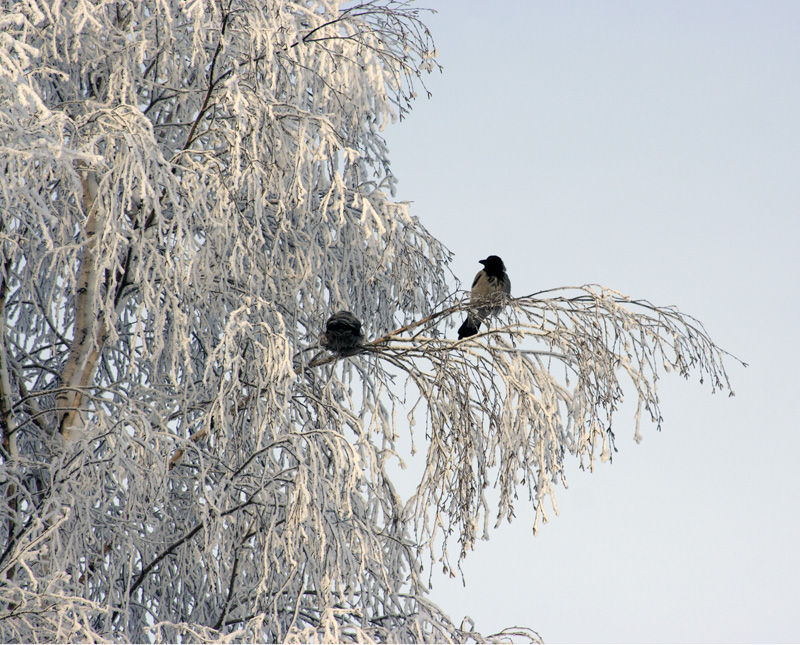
[(485, 297), (342, 334)]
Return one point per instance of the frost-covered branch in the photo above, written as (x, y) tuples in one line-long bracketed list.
[(509, 404)]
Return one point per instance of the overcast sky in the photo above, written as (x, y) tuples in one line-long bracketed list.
[(652, 147)]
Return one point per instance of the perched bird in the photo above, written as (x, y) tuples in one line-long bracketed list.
[(342, 334), (487, 287)]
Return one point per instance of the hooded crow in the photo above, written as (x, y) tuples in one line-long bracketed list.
[(487, 287), (342, 334)]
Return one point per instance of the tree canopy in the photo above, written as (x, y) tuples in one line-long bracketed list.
[(189, 190)]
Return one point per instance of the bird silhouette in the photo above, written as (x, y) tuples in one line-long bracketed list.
[(489, 289), (342, 334)]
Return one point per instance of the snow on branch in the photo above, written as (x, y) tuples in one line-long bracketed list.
[(545, 381)]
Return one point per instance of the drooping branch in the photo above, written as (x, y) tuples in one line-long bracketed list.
[(543, 382)]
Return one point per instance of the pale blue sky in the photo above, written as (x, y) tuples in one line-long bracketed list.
[(653, 147)]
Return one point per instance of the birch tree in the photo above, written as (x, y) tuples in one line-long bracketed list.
[(189, 189)]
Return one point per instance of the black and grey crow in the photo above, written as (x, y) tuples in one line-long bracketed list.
[(485, 297), (342, 334)]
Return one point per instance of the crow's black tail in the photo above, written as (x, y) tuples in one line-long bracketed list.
[(469, 328)]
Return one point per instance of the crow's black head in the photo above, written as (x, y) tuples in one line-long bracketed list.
[(494, 265)]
